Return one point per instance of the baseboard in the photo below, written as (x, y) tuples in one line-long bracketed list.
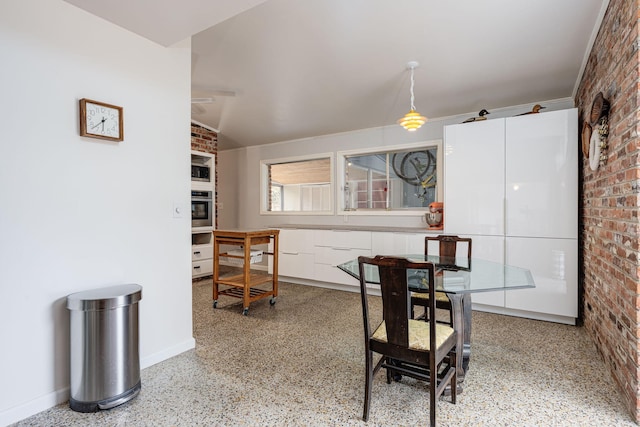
[(525, 314), (48, 401), (167, 353), (372, 289), (42, 403)]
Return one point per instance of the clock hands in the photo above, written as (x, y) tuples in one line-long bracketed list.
[(104, 119)]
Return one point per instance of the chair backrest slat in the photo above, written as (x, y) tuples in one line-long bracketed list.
[(448, 246), (395, 304)]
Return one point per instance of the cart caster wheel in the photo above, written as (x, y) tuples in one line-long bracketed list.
[(272, 301), (215, 304), (245, 312)]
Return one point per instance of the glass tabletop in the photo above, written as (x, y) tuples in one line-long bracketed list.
[(459, 275)]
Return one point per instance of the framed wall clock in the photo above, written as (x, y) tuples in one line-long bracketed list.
[(101, 120)]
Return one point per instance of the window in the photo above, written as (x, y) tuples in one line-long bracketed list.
[(406, 178), (297, 185)]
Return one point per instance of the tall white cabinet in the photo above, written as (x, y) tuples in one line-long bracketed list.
[(202, 237), (512, 185)]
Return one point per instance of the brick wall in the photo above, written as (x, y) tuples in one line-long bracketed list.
[(206, 141), (609, 203), (203, 139)]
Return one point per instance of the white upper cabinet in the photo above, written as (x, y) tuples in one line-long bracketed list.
[(474, 178), (542, 175)]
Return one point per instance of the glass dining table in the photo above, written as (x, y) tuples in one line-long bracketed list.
[(458, 278)]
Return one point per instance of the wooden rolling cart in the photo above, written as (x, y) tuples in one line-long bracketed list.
[(243, 285)]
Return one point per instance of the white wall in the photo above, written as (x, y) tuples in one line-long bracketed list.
[(231, 178), (77, 213), (239, 179)]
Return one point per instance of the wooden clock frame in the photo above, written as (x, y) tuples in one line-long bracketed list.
[(83, 120)]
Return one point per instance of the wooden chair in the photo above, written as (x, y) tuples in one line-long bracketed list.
[(447, 249), (421, 350)]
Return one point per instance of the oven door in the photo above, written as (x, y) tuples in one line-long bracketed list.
[(201, 209)]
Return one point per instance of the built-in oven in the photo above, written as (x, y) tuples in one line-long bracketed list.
[(201, 209)]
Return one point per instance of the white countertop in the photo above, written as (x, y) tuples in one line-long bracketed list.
[(347, 227)]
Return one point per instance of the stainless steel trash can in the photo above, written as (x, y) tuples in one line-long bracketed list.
[(105, 358)]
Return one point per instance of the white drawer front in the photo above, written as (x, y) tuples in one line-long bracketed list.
[(335, 256), (331, 274), (202, 268), (296, 240), (201, 252), (296, 265), (343, 239)]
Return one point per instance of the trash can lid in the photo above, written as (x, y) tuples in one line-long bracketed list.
[(105, 298)]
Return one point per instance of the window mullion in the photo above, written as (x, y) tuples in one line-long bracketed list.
[(387, 185)]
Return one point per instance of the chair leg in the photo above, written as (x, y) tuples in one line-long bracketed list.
[(433, 383), (454, 377), (367, 384)]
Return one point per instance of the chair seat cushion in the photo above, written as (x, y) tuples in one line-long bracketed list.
[(440, 296), (418, 334)]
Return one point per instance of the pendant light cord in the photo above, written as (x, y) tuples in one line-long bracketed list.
[(412, 120), (413, 107)]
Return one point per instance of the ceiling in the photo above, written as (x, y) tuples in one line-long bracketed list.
[(278, 70)]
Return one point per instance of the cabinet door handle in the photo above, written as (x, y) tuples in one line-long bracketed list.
[(196, 253), (197, 266), (290, 253), (341, 249)]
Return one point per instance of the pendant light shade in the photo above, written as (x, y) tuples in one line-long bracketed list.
[(412, 120)]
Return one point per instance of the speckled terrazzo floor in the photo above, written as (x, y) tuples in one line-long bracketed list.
[(300, 363)]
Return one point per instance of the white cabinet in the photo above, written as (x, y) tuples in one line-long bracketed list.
[(474, 178), (516, 179), (202, 179), (490, 248), (201, 254), (554, 266), (542, 176), (343, 239), (296, 253), (393, 243), (334, 247)]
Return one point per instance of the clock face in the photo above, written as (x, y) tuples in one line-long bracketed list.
[(103, 120), (100, 120)]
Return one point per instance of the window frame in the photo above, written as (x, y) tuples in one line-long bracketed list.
[(340, 180), (265, 190)]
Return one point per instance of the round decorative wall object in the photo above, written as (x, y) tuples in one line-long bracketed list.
[(599, 108), (594, 149)]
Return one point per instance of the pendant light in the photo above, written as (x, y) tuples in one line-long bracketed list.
[(412, 120)]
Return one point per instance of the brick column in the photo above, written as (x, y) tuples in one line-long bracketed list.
[(206, 141), (609, 202)]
